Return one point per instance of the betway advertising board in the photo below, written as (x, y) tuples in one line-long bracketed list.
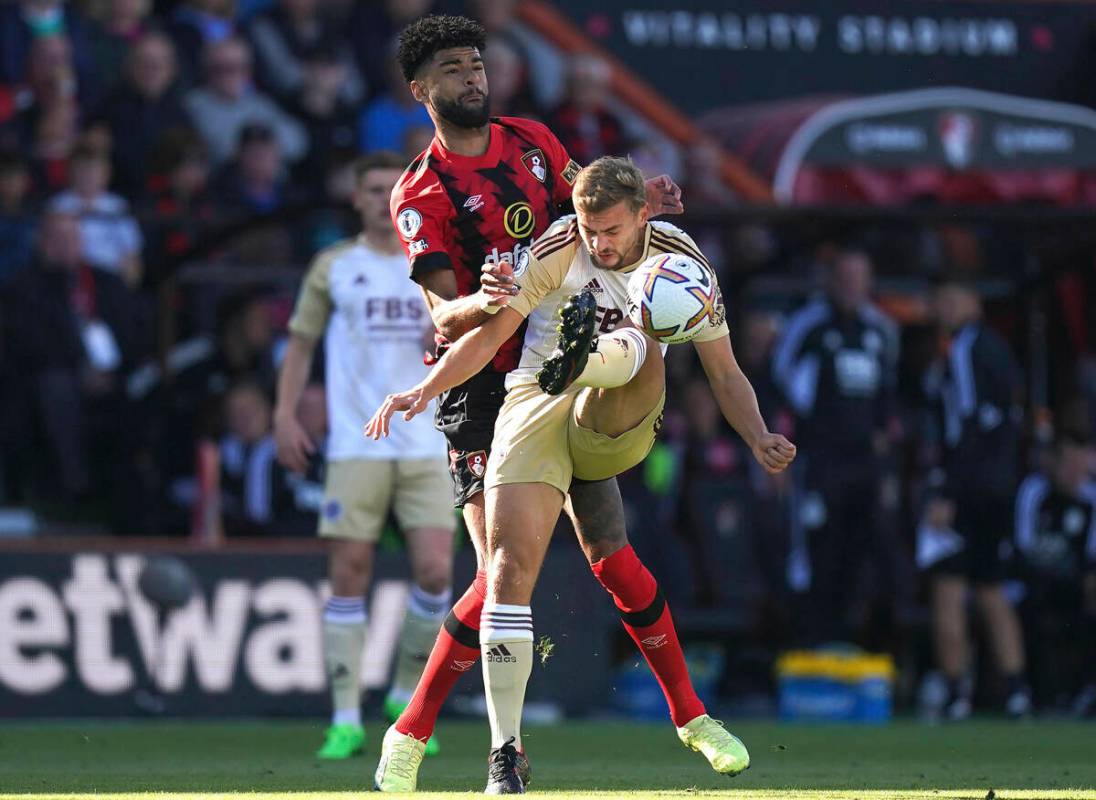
[(78, 637), (738, 51)]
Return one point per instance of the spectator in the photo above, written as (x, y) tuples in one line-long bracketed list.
[(146, 106), (507, 75), (255, 182), (195, 26), (249, 474), (117, 26), (837, 365), (963, 536), (25, 23), (583, 122), (387, 119), (111, 239), (1056, 547), (373, 27), (227, 102), (59, 344), (48, 122), (286, 38), (181, 209), (16, 220), (330, 119)]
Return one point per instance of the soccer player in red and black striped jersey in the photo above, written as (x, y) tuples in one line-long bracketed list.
[(475, 200)]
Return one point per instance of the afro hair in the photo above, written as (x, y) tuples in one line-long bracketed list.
[(420, 40)]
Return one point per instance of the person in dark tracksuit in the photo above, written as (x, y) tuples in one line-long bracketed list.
[(1055, 538), (964, 539), (836, 364)]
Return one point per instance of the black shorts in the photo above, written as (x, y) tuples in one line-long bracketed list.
[(983, 552), (466, 415)]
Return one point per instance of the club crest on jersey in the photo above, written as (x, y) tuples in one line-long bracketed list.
[(477, 463), (535, 162), (409, 221)]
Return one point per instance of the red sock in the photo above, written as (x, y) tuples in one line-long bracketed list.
[(647, 619), (456, 651)]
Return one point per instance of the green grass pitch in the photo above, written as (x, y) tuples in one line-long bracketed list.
[(1035, 761)]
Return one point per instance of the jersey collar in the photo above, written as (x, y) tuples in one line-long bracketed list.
[(488, 159)]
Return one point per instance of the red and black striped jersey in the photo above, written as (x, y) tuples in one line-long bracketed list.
[(458, 212)]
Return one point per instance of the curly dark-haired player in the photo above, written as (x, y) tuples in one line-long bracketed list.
[(479, 195)]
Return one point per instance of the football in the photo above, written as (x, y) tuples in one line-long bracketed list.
[(672, 297)]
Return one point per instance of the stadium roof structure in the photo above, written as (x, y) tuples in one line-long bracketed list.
[(938, 146)]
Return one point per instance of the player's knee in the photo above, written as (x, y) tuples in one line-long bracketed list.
[(434, 575), (510, 569)]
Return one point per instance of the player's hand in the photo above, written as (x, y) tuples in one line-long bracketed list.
[(663, 196), (412, 402), (294, 445), (774, 452), (940, 513), (497, 282)]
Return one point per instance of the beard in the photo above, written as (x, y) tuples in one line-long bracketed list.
[(456, 113)]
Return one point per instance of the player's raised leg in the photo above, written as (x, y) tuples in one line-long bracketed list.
[(582, 358), (520, 519), (350, 564)]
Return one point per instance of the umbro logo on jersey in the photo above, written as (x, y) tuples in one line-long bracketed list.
[(654, 642), (474, 203), (500, 655), (594, 287), (462, 666)]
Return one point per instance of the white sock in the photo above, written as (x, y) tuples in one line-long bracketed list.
[(343, 642), (425, 615), (616, 361), (506, 641)]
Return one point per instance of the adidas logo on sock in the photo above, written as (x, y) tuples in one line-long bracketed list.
[(500, 655)]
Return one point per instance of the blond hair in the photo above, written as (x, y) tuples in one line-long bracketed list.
[(608, 181)]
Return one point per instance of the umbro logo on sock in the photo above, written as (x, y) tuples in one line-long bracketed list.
[(500, 655), (654, 642), (461, 666), (339, 671)]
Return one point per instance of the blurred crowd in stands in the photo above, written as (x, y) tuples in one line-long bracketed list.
[(168, 169)]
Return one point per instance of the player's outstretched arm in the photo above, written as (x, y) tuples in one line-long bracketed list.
[(461, 362), (738, 403)]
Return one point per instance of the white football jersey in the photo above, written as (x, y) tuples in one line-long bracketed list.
[(558, 266), (374, 322)]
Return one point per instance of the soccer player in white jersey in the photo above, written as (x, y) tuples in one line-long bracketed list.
[(374, 323), (578, 406)]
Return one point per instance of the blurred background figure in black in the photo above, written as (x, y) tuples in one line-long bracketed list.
[(836, 364)]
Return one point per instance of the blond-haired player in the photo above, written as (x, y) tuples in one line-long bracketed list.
[(575, 409)]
